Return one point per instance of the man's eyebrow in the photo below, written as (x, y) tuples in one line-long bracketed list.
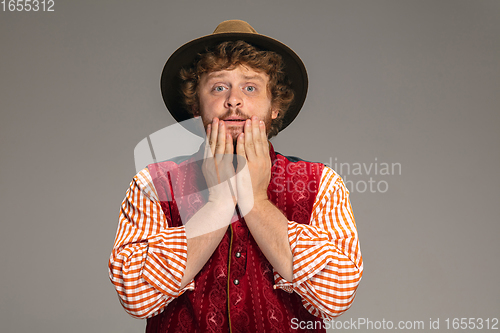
[(254, 77), (213, 75)]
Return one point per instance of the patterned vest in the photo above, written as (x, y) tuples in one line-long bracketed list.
[(234, 290)]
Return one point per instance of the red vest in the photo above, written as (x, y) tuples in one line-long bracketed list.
[(234, 290)]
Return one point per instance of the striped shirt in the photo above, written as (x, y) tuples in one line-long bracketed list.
[(148, 258)]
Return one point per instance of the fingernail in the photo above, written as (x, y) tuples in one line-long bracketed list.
[(261, 122)]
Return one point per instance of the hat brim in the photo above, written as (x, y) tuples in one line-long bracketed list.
[(185, 56)]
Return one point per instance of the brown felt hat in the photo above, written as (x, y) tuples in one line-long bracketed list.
[(231, 30)]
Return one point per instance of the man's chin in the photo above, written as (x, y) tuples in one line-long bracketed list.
[(235, 132)]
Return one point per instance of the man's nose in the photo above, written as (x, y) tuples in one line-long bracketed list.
[(234, 99)]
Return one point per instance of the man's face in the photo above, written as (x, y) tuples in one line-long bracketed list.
[(234, 96)]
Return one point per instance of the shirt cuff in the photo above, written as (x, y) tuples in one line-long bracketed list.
[(311, 250), (166, 262)]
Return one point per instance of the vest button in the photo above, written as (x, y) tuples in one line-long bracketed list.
[(238, 254), (236, 282)]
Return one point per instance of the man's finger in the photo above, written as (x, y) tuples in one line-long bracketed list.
[(229, 144), (213, 135), (240, 145), (263, 137), (221, 140), (240, 152), (208, 149), (249, 144), (256, 129)]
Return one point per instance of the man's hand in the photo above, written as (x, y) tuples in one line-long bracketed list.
[(254, 164), (217, 166), (218, 171)]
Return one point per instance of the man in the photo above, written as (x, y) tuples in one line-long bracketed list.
[(271, 245)]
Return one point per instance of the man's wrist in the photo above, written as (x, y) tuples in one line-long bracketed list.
[(223, 206), (260, 204)]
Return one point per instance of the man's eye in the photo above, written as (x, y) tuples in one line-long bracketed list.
[(219, 88), (250, 89)]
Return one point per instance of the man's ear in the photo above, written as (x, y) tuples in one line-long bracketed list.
[(195, 110), (275, 113)]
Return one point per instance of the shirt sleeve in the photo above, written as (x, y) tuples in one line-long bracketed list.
[(148, 259), (327, 263)]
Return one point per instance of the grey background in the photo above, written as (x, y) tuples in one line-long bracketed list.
[(409, 82)]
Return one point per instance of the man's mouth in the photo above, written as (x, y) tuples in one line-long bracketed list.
[(234, 120)]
